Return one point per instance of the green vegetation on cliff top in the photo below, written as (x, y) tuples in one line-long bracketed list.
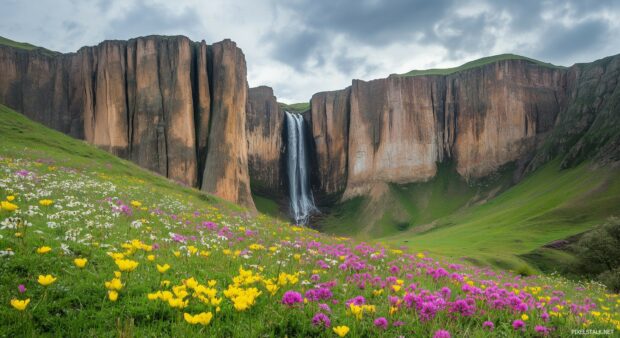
[(295, 107), (475, 64), (23, 45)]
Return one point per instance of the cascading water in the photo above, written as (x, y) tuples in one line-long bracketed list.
[(302, 203)]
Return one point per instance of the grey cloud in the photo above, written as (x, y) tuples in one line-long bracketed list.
[(146, 18), (561, 44)]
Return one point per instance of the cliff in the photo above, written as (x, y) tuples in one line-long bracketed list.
[(265, 132), (166, 103)]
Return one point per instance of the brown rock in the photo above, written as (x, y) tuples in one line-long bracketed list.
[(329, 121), (264, 128), (226, 169)]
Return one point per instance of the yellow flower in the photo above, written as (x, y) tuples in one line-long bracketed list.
[(46, 280), (46, 202), (44, 250), (136, 204), (114, 284), (205, 253), (203, 318), (8, 206), (177, 303), (126, 264), (112, 295), (177, 253), (150, 258), (10, 198), (20, 304), (163, 268), (80, 262), (524, 317), (341, 331)]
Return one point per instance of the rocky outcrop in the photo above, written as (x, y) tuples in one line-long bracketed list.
[(587, 128), (329, 121), (226, 168), (264, 128), (399, 128), (168, 104)]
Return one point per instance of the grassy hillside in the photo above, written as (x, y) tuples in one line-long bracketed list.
[(475, 64), (442, 215), (22, 45), (91, 245), (295, 107)]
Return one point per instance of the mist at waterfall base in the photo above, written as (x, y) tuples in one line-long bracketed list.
[(301, 200)]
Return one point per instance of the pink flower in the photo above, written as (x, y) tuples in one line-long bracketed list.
[(518, 324), (441, 334), (291, 298), (381, 323), (21, 288), (542, 330), (488, 325), (321, 319)]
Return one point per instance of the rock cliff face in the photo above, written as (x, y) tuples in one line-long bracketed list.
[(399, 128), (170, 105), (329, 121), (264, 128)]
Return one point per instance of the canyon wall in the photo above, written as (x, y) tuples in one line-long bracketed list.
[(170, 105), (183, 109), (399, 128), (265, 132)]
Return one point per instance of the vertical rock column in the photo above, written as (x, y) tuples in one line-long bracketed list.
[(264, 127), (226, 167), (329, 120)]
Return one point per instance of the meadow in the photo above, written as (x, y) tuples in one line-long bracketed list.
[(91, 245)]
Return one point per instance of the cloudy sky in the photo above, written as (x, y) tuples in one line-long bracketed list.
[(300, 47)]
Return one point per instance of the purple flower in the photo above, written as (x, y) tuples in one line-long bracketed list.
[(544, 316), (21, 288), (394, 270), (321, 319), (488, 325), (325, 307), (398, 323), (518, 324), (291, 298), (542, 330), (441, 334), (381, 323), (359, 300)]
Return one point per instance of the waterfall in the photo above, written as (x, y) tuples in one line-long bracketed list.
[(302, 203)]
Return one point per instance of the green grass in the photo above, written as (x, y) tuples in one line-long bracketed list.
[(475, 64), (23, 45), (295, 107), (547, 206), (86, 185), (412, 206), (487, 222)]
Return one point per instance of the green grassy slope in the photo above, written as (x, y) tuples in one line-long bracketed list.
[(295, 107), (234, 271), (474, 64), (548, 205), (23, 45)]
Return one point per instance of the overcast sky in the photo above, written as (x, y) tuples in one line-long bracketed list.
[(300, 47)]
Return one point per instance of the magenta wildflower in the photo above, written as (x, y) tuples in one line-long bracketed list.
[(398, 323), (542, 330), (488, 325), (321, 319), (21, 288), (441, 334), (325, 307), (518, 324), (291, 298), (381, 323)]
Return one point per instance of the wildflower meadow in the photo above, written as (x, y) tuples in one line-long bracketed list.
[(94, 246)]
